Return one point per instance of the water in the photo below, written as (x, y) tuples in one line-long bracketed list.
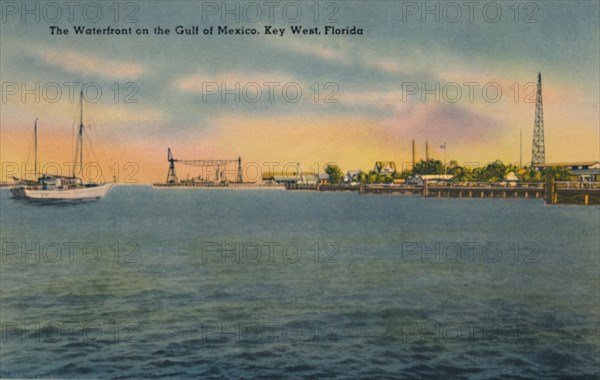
[(264, 283)]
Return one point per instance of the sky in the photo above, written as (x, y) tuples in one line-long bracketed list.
[(442, 72)]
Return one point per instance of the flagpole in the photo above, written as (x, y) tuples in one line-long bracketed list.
[(445, 159)]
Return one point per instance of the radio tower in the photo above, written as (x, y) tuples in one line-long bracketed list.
[(538, 151)]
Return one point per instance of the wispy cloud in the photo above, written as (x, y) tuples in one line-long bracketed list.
[(314, 50), (109, 115), (197, 82), (90, 65), (385, 65), (345, 54)]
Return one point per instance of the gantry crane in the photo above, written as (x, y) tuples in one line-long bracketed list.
[(219, 165)]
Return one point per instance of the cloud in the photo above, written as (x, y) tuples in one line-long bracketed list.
[(314, 50), (348, 54), (380, 100), (90, 65), (459, 123), (384, 64), (124, 118), (197, 82)]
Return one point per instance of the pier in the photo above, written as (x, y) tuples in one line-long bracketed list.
[(483, 190), (221, 185), (576, 193), (398, 189), (322, 187)]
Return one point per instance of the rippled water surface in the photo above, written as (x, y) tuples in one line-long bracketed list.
[(231, 283)]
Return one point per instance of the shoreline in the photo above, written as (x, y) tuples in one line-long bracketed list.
[(576, 193)]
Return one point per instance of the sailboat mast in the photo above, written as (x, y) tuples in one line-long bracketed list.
[(81, 133), (35, 158)]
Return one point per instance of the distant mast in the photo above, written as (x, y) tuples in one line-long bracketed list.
[(35, 158), (81, 133), (80, 137)]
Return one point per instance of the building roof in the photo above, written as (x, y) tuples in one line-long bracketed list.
[(435, 176), (586, 171), (385, 167), (568, 164)]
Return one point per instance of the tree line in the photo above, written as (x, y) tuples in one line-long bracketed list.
[(493, 172)]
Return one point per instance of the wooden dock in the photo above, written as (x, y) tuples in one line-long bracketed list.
[(483, 190), (322, 187), (220, 185), (391, 189), (576, 193)]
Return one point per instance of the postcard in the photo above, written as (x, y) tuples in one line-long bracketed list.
[(299, 189)]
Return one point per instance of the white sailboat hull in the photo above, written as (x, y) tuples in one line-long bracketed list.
[(74, 194)]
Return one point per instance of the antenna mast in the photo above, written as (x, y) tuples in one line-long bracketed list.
[(521, 149), (538, 151)]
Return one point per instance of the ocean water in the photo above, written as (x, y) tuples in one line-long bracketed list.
[(170, 283)]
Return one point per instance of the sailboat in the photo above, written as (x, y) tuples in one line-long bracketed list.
[(49, 188)]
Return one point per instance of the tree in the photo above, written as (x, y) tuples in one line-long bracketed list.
[(514, 168), (429, 167), (405, 174), (334, 172), (495, 171), (362, 176), (372, 177), (558, 172), (459, 173), (532, 175), (384, 178)]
